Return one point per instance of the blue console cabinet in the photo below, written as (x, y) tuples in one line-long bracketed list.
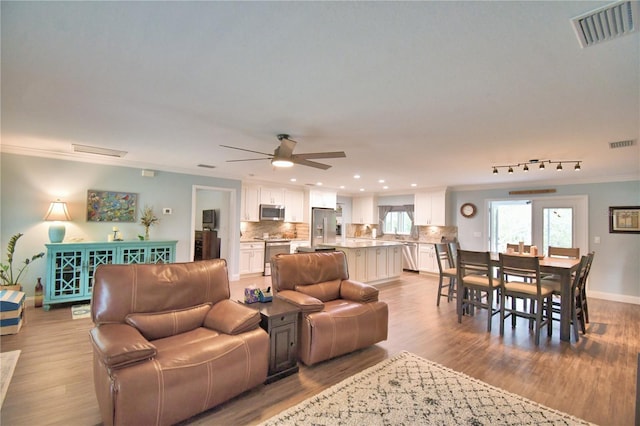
[(70, 266)]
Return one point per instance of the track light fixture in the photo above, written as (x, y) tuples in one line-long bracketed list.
[(525, 165)]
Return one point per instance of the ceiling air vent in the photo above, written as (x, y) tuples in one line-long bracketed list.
[(621, 144), (86, 149), (207, 166), (606, 23)]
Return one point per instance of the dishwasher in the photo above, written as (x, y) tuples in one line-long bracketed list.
[(271, 248), (410, 256)]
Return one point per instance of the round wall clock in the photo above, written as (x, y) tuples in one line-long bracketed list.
[(468, 210)]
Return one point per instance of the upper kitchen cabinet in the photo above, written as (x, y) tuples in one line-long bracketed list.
[(430, 208), (326, 199), (273, 196), (293, 205), (249, 203), (364, 210)]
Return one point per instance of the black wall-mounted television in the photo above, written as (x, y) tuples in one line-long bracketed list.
[(210, 219)]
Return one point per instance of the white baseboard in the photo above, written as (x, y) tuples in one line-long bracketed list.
[(613, 297)]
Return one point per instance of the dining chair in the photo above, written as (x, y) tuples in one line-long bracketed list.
[(566, 252), (477, 283), (516, 247), (447, 271), (454, 246), (554, 280), (539, 295)]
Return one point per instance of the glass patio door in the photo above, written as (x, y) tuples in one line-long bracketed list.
[(543, 222)]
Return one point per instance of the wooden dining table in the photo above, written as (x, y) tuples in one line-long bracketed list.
[(562, 267)]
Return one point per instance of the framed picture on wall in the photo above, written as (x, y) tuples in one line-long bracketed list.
[(111, 206), (624, 219)]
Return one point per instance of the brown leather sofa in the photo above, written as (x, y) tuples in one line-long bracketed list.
[(168, 343), (338, 315)]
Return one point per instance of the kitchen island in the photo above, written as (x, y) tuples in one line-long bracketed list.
[(371, 261)]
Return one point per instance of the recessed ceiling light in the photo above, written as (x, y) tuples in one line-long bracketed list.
[(414, 184), (385, 187), (380, 180), (341, 186), (319, 183), (356, 176), (293, 179), (361, 189)]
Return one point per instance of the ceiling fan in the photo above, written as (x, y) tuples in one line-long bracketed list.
[(283, 155)]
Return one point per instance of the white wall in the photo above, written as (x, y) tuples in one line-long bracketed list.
[(29, 184)]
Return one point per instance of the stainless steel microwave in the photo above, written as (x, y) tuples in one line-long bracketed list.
[(271, 212)]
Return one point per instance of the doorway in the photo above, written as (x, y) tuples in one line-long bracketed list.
[(543, 222), (223, 200)]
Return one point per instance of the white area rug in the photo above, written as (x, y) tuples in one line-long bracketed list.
[(81, 311), (8, 361), (409, 390)]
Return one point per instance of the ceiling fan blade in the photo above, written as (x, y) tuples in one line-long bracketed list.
[(248, 159), (310, 155), (247, 150), (286, 146), (304, 162)]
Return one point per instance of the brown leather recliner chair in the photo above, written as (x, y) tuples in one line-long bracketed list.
[(168, 343), (338, 315)]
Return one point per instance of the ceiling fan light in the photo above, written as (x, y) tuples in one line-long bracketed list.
[(577, 167), (281, 162)]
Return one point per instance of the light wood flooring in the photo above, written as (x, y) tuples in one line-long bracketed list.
[(594, 379)]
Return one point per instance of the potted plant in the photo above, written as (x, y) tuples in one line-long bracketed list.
[(9, 280), (148, 219)]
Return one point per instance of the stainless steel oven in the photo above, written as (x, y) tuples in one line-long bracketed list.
[(271, 248)]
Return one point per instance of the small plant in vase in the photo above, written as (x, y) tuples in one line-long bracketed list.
[(147, 220), (8, 279)]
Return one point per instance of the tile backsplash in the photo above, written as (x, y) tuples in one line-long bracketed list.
[(275, 229), (427, 234)]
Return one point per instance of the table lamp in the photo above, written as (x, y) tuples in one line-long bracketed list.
[(57, 213)]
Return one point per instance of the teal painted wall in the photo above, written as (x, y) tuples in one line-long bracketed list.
[(29, 184), (615, 274)]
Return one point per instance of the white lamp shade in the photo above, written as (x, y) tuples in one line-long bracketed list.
[(57, 211)]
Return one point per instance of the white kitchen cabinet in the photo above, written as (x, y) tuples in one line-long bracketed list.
[(293, 205), (427, 258), (377, 263), (273, 196), (326, 199), (430, 208), (251, 258), (357, 263), (364, 210), (250, 203), (394, 261)]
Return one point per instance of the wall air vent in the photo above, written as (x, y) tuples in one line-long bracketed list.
[(206, 166), (606, 23), (86, 149), (621, 144)]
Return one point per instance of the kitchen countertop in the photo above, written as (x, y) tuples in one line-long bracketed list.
[(361, 244)]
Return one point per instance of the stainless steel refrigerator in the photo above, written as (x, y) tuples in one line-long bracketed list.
[(323, 226)]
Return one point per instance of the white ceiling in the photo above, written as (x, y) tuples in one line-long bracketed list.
[(432, 93)]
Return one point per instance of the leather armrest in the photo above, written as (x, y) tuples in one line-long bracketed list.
[(119, 345), (358, 292), (231, 317), (303, 301)]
